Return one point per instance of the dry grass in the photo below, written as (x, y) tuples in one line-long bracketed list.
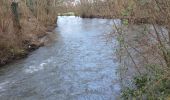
[(134, 10), (8, 42), (44, 10), (15, 41)]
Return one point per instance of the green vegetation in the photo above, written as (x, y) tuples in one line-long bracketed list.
[(150, 87), (66, 14)]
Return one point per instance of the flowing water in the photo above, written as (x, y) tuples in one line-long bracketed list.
[(78, 65)]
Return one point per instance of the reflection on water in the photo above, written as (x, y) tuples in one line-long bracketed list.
[(78, 66)]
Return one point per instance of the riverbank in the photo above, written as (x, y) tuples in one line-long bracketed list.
[(23, 29), (30, 46), (137, 12)]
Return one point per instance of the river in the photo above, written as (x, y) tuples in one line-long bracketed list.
[(78, 65)]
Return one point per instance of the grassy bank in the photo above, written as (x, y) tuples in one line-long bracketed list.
[(22, 25)]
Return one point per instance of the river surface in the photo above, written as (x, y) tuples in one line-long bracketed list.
[(78, 65)]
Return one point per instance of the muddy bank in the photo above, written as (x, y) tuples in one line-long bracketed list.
[(131, 20), (30, 45)]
